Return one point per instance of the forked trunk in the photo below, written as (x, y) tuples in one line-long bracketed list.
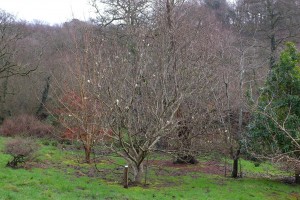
[(138, 172)]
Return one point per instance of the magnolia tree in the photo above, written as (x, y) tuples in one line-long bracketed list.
[(274, 130), (144, 78), (149, 73)]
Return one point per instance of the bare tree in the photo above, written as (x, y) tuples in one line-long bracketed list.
[(78, 107), (11, 33), (124, 13), (240, 74), (150, 72), (272, 21)]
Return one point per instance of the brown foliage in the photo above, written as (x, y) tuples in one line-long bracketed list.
[(25, 125)]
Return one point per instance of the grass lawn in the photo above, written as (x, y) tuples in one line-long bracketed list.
[(58, 175)]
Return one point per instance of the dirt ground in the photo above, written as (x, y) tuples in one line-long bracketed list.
[(209, 167)]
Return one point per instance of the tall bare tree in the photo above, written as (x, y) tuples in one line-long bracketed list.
[(272, 21), (78, 107), (11, 33)]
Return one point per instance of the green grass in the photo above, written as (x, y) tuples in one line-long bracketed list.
[(57, 179), (266, 168)]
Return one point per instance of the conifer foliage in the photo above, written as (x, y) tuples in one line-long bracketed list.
[(275, 127)]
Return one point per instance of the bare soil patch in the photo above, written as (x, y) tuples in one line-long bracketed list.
[(209, 167)]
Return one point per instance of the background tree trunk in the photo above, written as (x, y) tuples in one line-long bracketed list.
[(41, 112), (184, 155)]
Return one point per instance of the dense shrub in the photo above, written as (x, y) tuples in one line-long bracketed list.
[(25, 125), (21, 149)]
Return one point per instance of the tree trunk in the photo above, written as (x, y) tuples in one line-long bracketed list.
[(138, 173), (41, 112), (297, 176), (87, 151), (273, 51), (3, 111), (235, 168)]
